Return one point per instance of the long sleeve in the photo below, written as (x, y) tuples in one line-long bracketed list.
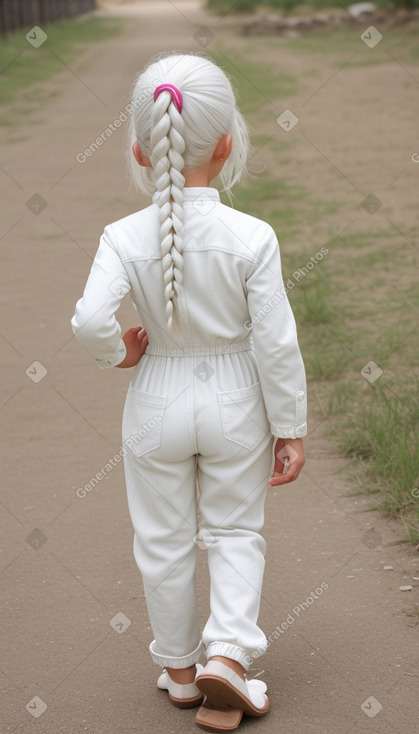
[(94, 322), (277, 353)]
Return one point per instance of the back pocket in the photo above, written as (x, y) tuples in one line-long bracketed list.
[(243, 415), (142, 421)]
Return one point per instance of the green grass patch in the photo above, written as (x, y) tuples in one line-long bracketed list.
[(375, 424), (381, 432), (328, 364), (282, 6), (286, 206), (23, 66)]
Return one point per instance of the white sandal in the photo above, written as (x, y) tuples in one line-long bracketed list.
[(184, 696)]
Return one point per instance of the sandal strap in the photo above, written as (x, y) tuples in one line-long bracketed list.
[(178, 690), (257, 685)]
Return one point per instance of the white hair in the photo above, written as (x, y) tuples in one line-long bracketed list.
[(177, 143)]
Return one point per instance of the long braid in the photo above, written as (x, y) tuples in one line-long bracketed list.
[(167, 148)]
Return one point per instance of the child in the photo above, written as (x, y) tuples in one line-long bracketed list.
[(218, 383)]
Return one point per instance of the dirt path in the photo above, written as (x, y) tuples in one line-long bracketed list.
[(344, 656)]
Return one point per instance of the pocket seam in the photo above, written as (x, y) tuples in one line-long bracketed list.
[(242, 393), (147, 398)]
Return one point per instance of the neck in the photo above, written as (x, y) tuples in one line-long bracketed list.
[(203, 174), (197, 178)]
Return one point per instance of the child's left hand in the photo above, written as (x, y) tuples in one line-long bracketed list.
[(289, 460), (136, 341)]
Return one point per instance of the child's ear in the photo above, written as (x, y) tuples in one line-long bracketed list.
[(228, 145), (223, 148), (141, 159)]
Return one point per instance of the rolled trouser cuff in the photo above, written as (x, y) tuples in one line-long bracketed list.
[(233, 652), (168, 661)]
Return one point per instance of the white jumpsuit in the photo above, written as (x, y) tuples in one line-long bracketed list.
[(202, 410)]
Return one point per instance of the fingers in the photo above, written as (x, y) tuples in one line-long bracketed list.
[(134, 331), (143, 341), (131, 335), (290, 475)]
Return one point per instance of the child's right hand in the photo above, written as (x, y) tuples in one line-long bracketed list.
[(136, 341), (289, 460)]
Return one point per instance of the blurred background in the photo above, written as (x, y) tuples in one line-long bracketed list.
[(330, 92)]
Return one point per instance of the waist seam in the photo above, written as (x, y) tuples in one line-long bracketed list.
[(199, 350)]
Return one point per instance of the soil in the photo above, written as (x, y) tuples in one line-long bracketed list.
[(75, 631)]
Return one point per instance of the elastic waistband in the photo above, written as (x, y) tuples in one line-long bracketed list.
[(200, 350)]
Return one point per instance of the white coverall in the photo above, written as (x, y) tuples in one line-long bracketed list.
[(202, 408)]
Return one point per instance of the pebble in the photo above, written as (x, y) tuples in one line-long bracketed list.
[(388, 568), (406, 588), (361, 9)]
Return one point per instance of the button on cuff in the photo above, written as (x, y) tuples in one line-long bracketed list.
[(300, 407)]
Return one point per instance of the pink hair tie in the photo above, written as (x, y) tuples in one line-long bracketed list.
[(174, 93)]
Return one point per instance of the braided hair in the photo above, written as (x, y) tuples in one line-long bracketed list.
[(167, 148)]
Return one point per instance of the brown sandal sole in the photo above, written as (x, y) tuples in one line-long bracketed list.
[(187, 703), (215, 720), (222, 695)]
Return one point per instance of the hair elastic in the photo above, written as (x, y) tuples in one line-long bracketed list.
[(174, 92)]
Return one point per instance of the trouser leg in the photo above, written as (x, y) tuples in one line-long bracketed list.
[(162, 504), (232, 496)]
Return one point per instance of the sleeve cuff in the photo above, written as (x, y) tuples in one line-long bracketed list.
[(116, 358), (298, 428), (289, 431)]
